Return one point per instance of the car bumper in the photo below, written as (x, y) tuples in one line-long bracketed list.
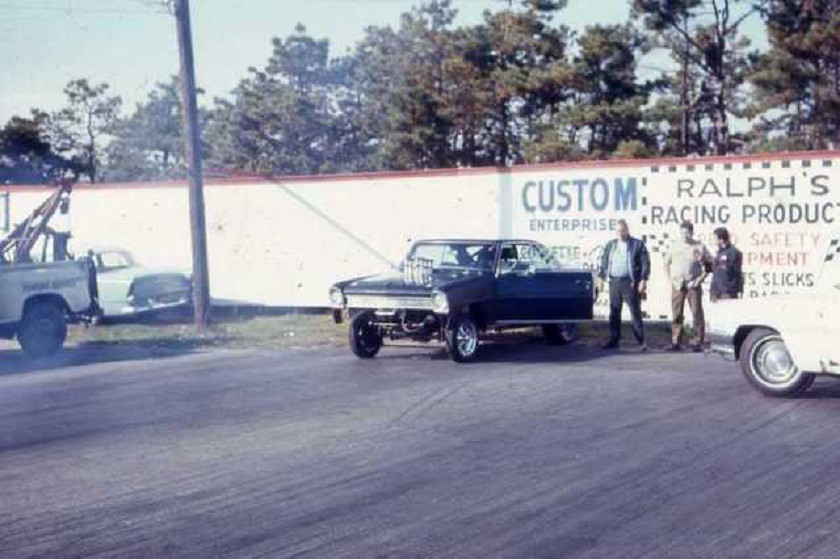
[(152, 307), (721, 343)]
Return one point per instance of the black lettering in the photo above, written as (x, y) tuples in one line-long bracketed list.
[(747, 212), (729, 192), (764, 213), (755, 184), (710, 187), (783, 186), (819, 185), (656, 215), (685, 186)]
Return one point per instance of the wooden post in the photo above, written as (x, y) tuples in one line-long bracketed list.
[(192, 142)]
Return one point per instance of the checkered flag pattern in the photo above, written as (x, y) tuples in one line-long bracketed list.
[(833, 252), (657, 243)]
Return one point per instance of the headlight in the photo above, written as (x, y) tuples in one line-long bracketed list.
[(336, 297), (440, 304)]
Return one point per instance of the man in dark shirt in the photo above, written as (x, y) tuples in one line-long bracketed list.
[(625, 264), (727, 275)]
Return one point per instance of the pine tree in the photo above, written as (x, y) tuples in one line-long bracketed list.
[(798, 80), (148, 144), (703, 38), (603, 108), (82, 128)]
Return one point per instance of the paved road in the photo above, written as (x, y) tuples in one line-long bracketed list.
[(535, 452)]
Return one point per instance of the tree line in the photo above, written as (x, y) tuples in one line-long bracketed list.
[(517, 87)]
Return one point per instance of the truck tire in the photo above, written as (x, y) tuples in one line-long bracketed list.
[(462, 339), (768, 366), (42, 330), (364, 337)]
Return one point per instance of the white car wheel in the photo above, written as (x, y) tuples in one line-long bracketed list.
[(768, 366)]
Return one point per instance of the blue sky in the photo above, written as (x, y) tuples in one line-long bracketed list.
[(131, 45)]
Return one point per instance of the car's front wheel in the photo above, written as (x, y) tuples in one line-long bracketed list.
[(364, 337), (462, 339), (769, 367)]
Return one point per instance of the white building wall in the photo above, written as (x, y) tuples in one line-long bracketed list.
[(284, 242)]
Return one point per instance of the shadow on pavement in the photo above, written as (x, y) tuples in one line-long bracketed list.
[(825, 387), (520, 349), (14, 361)]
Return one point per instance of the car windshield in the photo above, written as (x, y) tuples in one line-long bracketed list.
[(455, 256)]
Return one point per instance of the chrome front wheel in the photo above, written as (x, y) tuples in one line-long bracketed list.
[(462, 339), (768, 365)]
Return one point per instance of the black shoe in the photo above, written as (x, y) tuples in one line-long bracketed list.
[(612, 344), (697, 348), (674, 347)]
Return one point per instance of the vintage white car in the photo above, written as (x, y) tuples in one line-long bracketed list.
[(781, 342), (128, 289)]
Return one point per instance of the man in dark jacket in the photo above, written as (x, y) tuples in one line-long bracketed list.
[(727, 274), (625, 264)]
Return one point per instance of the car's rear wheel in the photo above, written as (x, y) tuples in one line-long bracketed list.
[(462, 339), (768, 366), (365, 337), (43, 329)]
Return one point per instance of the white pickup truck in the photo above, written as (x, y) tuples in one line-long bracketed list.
[(38, 300), (781, 342)]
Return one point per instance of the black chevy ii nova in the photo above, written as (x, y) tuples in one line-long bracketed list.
[(453, 290)]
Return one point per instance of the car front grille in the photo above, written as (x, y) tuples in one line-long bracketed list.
[(388, 302)]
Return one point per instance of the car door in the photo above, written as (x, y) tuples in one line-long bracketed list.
[(810, 325), (828, 318), (531, 287), (516, 287)]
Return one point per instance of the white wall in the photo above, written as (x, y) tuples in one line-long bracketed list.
[(285, 242)]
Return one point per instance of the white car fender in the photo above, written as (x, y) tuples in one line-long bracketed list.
[(794, 317)]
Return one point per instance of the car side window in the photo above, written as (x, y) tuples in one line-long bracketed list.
[(518, 258)]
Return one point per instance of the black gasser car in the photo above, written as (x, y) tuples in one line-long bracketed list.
[(453, 290)]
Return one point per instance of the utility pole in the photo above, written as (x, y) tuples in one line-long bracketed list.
[(192, 143)]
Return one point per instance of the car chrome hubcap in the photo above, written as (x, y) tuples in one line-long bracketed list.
[(773, 363), (466, 338)]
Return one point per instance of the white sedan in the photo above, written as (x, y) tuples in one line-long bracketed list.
[(128, 289), (782, 342)]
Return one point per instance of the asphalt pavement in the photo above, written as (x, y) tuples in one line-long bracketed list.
[(535, 451)]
